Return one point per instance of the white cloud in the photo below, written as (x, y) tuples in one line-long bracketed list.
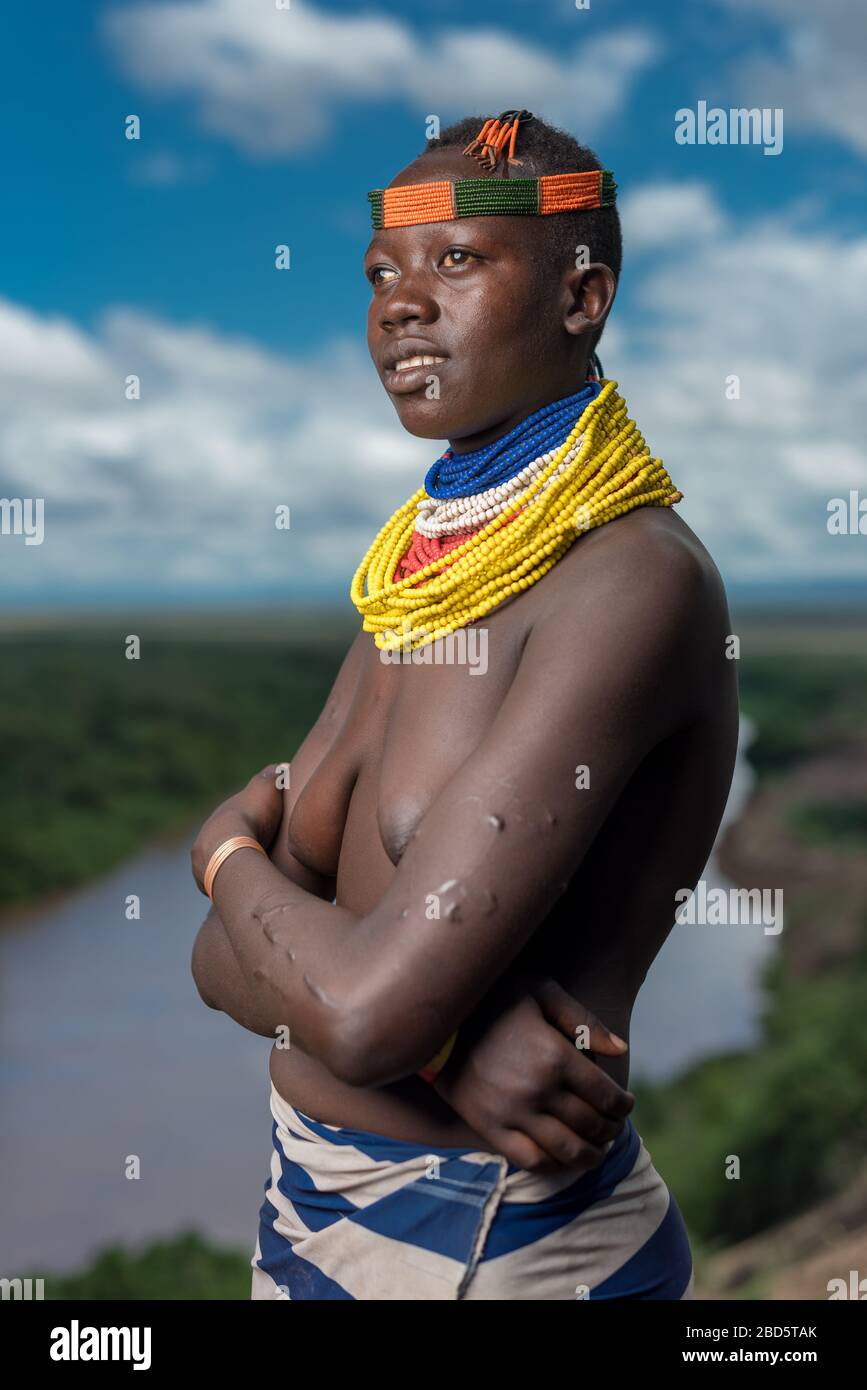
[(179, 487), (665, 214), (44, 350), (818, 76), (755, 300), (274, 81), (175, 494)]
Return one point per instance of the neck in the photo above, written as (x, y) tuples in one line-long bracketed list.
[(531, 438), (469, 443)]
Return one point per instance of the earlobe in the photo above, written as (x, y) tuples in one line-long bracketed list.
[(577, 323), (591, 291)]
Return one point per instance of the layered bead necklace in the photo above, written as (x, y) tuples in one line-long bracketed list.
[(461, 475), (494, 523)]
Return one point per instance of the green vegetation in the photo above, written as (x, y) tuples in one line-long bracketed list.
[(841, 824), (185, 1267), (792, 1110), (802, 701), (102, 753)]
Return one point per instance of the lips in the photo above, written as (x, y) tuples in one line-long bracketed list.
[(408, 363)]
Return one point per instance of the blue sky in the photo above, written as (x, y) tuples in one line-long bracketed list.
[(262, 126)]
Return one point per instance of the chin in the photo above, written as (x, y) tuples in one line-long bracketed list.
[(423, 418)]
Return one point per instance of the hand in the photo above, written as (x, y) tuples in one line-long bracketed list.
[(524, 1086), (256, 810)]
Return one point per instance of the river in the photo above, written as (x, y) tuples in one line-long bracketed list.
[(107, 1052)]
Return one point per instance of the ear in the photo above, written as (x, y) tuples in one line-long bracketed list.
[(588, 294)]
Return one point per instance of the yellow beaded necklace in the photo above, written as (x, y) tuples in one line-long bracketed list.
[(611, 474)]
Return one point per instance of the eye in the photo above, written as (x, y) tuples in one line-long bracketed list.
[(384, 271), (457, 257)]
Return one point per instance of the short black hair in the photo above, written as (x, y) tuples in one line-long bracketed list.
[(545, 149)]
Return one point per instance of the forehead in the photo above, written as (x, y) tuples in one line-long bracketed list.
[(450, 163)]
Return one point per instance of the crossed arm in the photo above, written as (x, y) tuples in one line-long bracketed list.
[(220, 981), (374, 996)]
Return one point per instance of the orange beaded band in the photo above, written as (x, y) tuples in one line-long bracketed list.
[(444, 201), (221, 854)]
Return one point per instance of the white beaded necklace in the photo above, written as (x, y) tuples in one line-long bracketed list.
[(437, 519)]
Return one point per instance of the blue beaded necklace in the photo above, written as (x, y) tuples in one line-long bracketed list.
[(463, 475)]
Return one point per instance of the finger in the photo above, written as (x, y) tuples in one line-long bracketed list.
[(269, 773), (265, 790), (576, 1021), (591, 1084), (521, 1150), (583, 1120), (561, 1144)]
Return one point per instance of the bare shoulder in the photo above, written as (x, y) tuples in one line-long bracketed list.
[(636, 615), (646, 566)]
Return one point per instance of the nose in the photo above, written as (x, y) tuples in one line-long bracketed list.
[(409, 301)]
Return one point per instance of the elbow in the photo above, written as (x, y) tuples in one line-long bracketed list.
[(351, 1054), (200, 974), (362, 1053), (206, 998)]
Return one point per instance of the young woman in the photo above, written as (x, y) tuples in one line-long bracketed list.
[(466, 850)]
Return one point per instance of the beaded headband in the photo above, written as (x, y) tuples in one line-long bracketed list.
[(445, 200)]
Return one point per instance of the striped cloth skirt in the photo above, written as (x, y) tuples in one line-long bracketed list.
[(351, 1215)]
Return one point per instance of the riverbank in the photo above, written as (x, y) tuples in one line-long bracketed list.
[(103, 753), (792, 1110)]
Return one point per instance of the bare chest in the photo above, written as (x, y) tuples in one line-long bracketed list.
[(435, 716), (415, 720)]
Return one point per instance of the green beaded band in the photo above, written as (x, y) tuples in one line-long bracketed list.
[(481, 198), (608, 188), (375, 197), (444, 201)]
